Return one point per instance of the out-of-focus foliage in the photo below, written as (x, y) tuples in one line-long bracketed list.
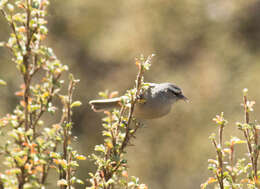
[(30, 145), (208, 48)]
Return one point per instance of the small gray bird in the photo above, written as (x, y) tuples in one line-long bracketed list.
[(158, 100)]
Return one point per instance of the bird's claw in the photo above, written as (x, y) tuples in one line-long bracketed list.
[(141, 99)]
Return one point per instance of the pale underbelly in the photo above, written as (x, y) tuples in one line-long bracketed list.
[(146, 112)]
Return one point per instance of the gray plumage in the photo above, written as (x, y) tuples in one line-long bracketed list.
[(158, 100)]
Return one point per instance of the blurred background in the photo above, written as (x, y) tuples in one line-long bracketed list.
[(209, 48)]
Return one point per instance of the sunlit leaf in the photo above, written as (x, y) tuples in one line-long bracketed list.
[(62, 182), (13, 171), (100, 148), (245, 91), (81, 157), (236, 140), (2, 82), (109, 145), (79, 181), (76, 104), (106, 133)]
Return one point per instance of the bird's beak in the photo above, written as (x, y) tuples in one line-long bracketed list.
[(182, 97)]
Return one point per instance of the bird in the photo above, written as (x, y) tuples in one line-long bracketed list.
[(156, 101)]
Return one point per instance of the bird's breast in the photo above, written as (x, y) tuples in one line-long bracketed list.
[(151, 110)]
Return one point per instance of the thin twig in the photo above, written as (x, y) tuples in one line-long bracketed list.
[(133, 102), (247, 134), (13, 28), (221, 128), (256, 152), (220, 166)]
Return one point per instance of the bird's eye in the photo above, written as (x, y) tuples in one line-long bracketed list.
[(176, 92)]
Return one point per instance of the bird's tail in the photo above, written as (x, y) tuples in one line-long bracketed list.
[(106, 104)]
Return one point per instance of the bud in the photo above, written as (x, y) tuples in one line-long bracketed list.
[(245, 90)]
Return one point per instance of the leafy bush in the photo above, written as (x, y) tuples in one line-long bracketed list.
[(230, 171), (33, 147), (109, 157)]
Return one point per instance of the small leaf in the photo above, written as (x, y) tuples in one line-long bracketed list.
[(74, 164), (212, 180), (109, 145), (76, 104), (235, 140), (2, 82), (110, 181), (250, 105), (209, 181), (245, 91), (61, 162), (62, 182), (103, 94), (81, 157), (113, 94), (213, 161), (79, 181), (54, 155), (100, 148), (106, 133), (212, 136), (142, 186), (219, 119), (13, 171)]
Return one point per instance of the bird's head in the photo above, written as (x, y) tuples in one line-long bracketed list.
[(174, 92)]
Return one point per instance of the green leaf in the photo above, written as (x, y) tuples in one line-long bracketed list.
[(212, 136), (103, 94), (74, 164), (245, 91), (19, 17), (2, 82), (110, 181), (106, 133), (81, 157), (55, 155), (79, 181), (100, 148), (43, 30), (22, 68), (76, 104), (68, 125)]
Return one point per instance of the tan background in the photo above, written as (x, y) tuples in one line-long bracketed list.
[(209, 48)]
